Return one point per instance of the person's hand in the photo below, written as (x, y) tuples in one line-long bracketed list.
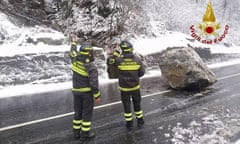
[(74, 38), (97, 101)]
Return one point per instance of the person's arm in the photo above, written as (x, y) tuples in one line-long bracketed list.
[(142, 68), (93, 80), (73, 50)]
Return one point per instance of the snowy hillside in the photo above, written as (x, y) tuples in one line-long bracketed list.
[(17, 36), (105, 22), (22, 62)]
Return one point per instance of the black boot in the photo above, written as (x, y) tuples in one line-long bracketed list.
[(87, 135), (76, 133), (129, 124), (140, 122)]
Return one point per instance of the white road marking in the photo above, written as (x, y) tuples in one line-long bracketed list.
[(229, 76), (97, 107), (35, 121)]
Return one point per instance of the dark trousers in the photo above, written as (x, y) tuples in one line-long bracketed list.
[(126, 101), (83, 108)]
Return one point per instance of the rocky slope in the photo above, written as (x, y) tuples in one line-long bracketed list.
[(107, 21)]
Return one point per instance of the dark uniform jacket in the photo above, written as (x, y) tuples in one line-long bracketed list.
[(85, 74), (130, 69), (112, 69)]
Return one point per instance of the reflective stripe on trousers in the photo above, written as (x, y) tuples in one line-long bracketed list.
[(86, 126), (128, 116), (139, 114), (77, 124)]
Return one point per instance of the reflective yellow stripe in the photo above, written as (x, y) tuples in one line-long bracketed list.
[(86, 126), (86, 123), (96, 94), (88, 48), (127, 114), (77, 121), (116, 54), (86, 89), (77, 124), (74, 43), (124, 45), (130, 89), (139, 116), (76, 127), (84, 53), (79, 70), (127, 50), (128, 60), (79, 63), (128, 67), (85, 129), (111, 61), (129, 119), (73, 54), (139, 112)]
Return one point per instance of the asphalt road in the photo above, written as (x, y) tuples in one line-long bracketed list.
[(209, 116)]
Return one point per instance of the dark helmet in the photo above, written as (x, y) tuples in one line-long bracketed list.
[(126, 46), (87, 50)]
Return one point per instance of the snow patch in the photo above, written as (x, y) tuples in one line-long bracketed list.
[(237, 142), (155, 45), (16, 36), (33, 89), (6, 26), (11, 50), (223, 64), (194, 133), (176, 39)]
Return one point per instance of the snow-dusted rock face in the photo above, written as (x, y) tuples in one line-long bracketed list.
[(108, 21), (182, 68)]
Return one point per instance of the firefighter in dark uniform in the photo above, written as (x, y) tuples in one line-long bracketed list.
[(111, 65), (85, 89), (131, 69)]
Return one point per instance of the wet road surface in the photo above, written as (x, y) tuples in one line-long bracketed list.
[(209, 116)]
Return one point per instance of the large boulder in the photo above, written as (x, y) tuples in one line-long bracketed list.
[(182, 68)]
